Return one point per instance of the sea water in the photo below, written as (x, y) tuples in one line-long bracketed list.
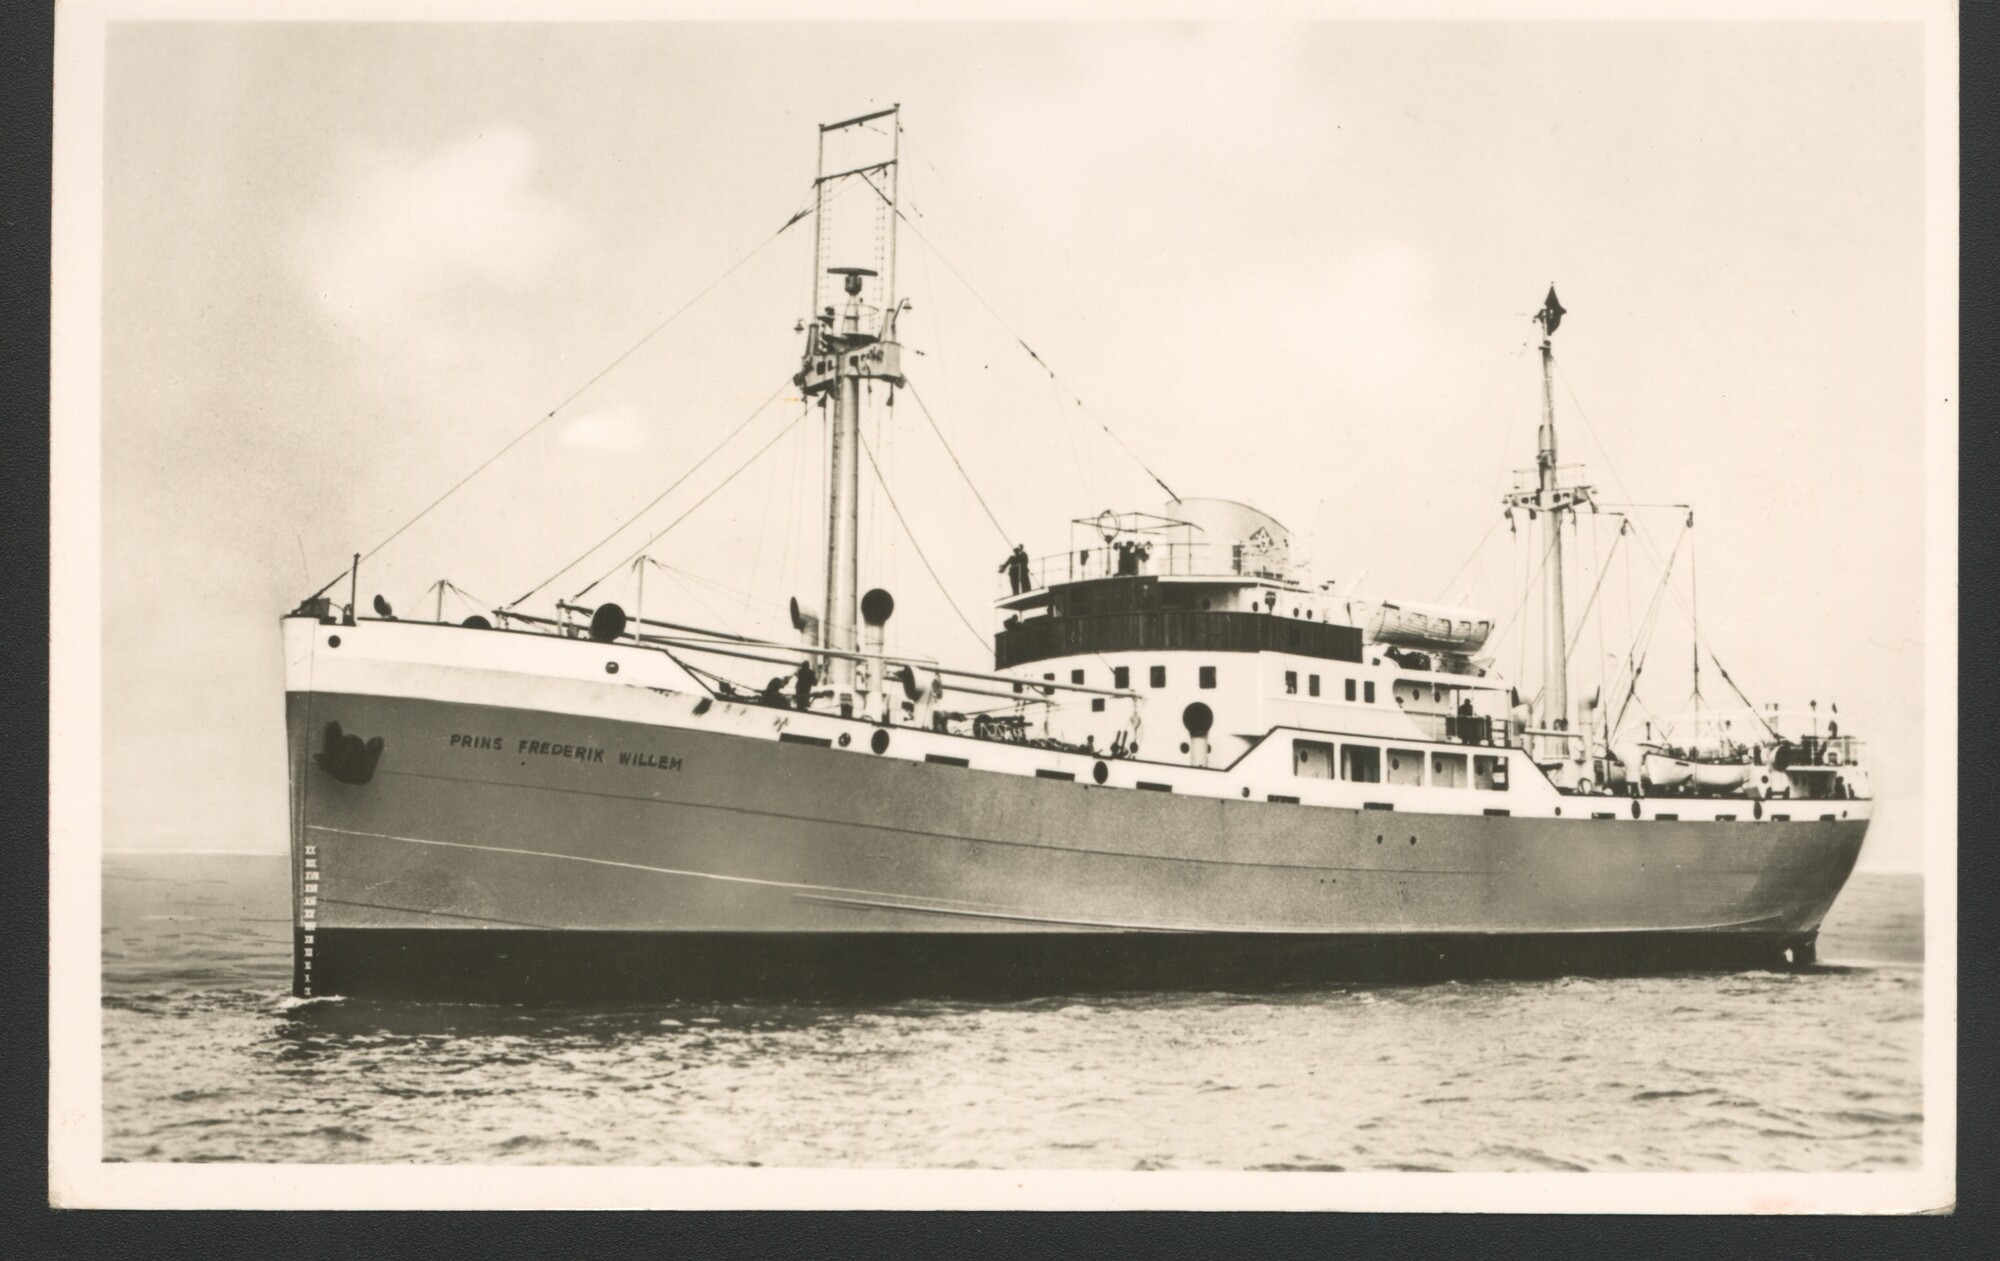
[(207, 1057)]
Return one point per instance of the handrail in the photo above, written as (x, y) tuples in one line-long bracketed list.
[(1162, 559)]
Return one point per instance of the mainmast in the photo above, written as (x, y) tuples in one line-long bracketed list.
[(844, 350), (1555, 647), (1550, 500)]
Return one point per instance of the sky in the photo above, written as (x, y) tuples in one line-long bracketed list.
[(1288, 264)]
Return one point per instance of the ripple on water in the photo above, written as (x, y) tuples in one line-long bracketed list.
[(207, 1058)]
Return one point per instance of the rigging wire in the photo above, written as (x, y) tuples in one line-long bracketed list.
[(1021, 341), (919, 549), (1528, 590), (1645, 536), (601, 373), (1603, 572), (969, 484), (1635, 659), (1476, 548), (622, 525), (717, 489)]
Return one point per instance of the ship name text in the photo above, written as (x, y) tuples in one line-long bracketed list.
[(569, 752)]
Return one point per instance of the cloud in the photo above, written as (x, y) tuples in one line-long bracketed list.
[(414, 236), (619, 430)]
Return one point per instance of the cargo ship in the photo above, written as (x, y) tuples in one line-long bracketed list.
[(1188, 764)]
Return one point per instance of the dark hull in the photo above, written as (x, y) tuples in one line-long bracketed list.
[(472, 833), (529, 965)]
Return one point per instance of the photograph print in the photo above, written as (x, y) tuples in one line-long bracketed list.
[(1083, 613)]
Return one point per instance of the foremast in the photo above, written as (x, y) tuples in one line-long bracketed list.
[(1548, 501), (846, 350)]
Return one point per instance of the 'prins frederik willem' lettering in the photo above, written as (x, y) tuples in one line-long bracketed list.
[(570, 752)]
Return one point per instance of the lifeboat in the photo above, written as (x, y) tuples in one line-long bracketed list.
[(1430, 626), (1663, 770), (1718, 776)]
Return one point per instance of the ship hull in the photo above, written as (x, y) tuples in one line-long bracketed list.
[(511, 851)]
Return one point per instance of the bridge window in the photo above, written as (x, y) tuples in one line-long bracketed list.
[(1208, 676), (1312, 685), (1312, 760), (1489, 772), (1121, 677), (1406, 766), (1447, 770), (1350, 689), (1076, 676), (1361, 763), (1159, 676), (1291, 682), (1368, 691)]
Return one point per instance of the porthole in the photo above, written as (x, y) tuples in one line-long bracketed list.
[(701, 706), (611, 667), (1559, 812), (1184, 746), (1246, 793), (1756, 809), (1413, 840), (333, 641), (1635, 807), (845, 739), (1378, 840), (879, 742), (1100, 772)]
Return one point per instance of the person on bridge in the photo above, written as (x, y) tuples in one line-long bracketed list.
[(1016, 569)]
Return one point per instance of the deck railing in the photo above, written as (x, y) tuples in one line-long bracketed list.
[(1164, 559)]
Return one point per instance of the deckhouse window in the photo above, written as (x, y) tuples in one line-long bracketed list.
[(1312, 759), (1406, 766), (1076, 676), (1159, 676), (1361, 763), (1489, 772), (1368, 691), (1447, 770), (1291, 682), (1312, 685), (1208, 676), (1350, 689), (1121, 677)]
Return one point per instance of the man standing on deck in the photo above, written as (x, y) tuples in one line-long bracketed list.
[(1016, 569)]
